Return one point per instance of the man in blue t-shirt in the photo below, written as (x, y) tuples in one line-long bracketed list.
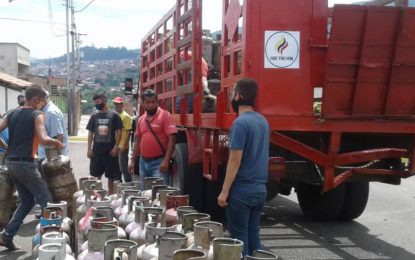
[(55, 127), (4, 140), (244, 189)]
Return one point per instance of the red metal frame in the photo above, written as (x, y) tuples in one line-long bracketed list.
[(365, 44)]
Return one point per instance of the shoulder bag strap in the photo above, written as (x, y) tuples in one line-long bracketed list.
[(155, 136)]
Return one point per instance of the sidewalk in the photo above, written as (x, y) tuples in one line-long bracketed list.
[(82, 132)]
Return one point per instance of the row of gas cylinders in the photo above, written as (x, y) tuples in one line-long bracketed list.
[(140, 221), (58, 174)]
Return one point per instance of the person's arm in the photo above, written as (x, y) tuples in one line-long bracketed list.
[(236, 146), (3, 123), (90, 127), (125, 134), (3, 144), (90, 153), (136, 153), (116, 148), (234, 161), (170, 130), (164, 166), (59, 137), (44, 139), (117, 124), (54, 127), (124, 142)]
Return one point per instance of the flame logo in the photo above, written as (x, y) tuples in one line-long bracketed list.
[(281, 45)]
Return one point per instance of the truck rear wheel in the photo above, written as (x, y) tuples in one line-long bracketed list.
[(320, 206), (272, 189), (188, 178), (355, 200)]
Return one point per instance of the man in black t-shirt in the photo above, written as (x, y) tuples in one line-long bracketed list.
[(103, 142)]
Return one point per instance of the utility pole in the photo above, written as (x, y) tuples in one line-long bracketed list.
[(78, 54), (73, 85), (68, 73)]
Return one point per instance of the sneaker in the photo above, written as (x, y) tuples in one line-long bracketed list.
[(8, 244)]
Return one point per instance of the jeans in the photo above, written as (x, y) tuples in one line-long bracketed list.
[(31, 187), (152, 169), (243, 218), (123, 161)]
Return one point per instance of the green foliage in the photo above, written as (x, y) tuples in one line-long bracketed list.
[(90, 53)]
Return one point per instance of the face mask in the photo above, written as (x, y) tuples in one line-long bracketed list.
[(21, 103), (151, 112), (236, 103), (100, 106)]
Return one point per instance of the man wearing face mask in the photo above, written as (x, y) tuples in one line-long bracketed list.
[(103, 142), (155, 139), (26, 130), (244, 191), (21, 100)]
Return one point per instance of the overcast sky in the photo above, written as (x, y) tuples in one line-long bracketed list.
[(39, 25)]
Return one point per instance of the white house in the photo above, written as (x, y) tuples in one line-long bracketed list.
[(10, 88)]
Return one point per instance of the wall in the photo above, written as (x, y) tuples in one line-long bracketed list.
[(23, 61), (8, 59), (8, 98), (12, 98), (3, 107)]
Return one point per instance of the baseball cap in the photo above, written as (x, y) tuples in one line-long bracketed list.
[(118, 100)]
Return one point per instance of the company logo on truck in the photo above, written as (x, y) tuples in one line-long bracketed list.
[(281, 45), (282, 49)]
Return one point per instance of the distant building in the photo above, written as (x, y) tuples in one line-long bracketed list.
[(14, 59), (10, 88), (57, 89), (410, 3)]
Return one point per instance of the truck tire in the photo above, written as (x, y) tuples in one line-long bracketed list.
[(318, 206), (188, 178), (355, 200), (272, 189), (180, 166)]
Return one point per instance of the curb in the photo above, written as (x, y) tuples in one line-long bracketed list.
[(78, 138)]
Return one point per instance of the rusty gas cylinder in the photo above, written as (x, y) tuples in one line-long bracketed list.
[(6, 192), (59, 177), (189, 254)]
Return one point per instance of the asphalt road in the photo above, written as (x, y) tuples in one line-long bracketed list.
[(386, 230)]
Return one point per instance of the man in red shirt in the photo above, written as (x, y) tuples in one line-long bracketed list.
[(155, 139)]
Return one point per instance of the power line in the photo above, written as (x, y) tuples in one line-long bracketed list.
[(85, 7), (52, 22), (25, 20)]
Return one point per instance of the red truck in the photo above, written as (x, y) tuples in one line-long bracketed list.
[(337, 87)]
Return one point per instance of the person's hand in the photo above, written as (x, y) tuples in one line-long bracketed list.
[(114, 152), (164, 166), (58, 144), (131, 167), (222, 199), (90, 153)]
